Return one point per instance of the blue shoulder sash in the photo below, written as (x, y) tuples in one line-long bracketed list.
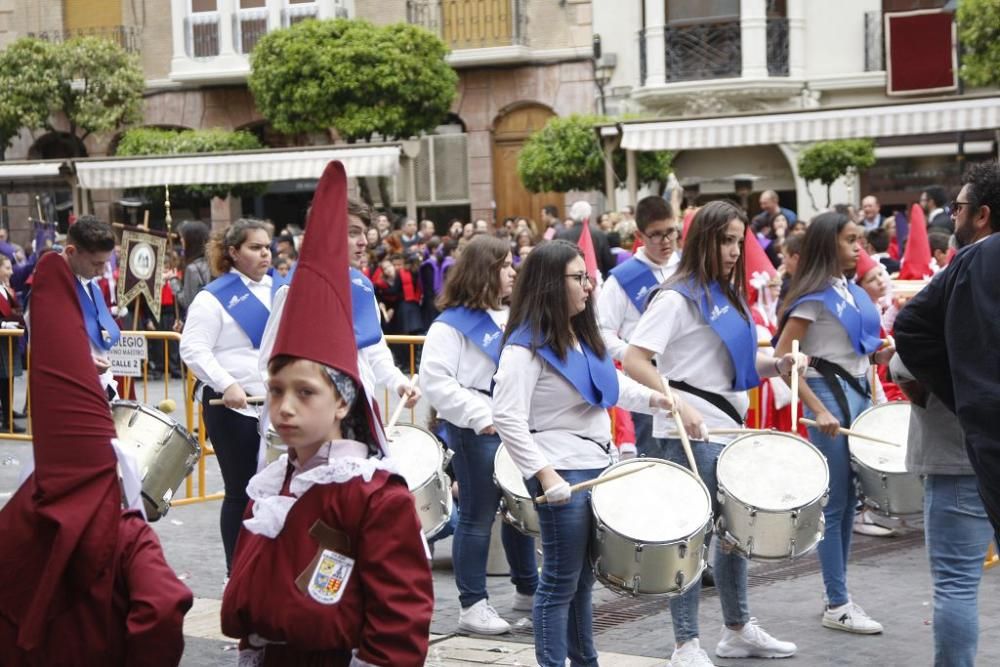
[(477, 326), (594, 377), (367, 323), (862, 321), (738, 334), (101, 327), (242, 305), (637, 279)]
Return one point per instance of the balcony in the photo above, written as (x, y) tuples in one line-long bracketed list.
[(126, 36), (703, 51), (497, 25)]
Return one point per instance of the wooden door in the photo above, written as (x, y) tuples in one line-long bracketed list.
[(509, 135)]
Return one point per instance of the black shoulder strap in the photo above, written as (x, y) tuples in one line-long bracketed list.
[(713, 398)]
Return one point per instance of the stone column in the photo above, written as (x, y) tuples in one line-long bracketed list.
[(227, 10), (796, 39), (656, 58), (753, 37), (178, 14), (273, 15), (225, 211)]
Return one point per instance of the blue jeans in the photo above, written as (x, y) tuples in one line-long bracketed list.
[(957, 533), (563, 616), (478, 500), (839, 512), (730, 568)]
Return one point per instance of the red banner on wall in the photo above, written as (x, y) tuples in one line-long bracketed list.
[(920, 52)]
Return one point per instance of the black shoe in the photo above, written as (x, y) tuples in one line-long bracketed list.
[(6, 429), (707, 577), (19, 415)]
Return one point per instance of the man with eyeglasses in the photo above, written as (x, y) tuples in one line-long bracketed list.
[(624, 295), (946, 340), (932, 200)]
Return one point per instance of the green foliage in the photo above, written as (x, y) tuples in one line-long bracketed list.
[(28, 86), (354, 76), (827, 161), (154, 141), (100, 85), (979, 34), (565, 155)]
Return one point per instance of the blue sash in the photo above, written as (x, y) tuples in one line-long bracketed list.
[(101, 327), (863, 324), (367, 323), (242, 305), (477, 326), (637, 279), (594, 377), (739, 335)]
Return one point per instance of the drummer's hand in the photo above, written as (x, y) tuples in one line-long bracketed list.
[(694, 425), (827, 424), (411, 392), (556, 489), (786, 362), (234, 397), (489, 430), (885, 354), (102, 363), (658, 400)]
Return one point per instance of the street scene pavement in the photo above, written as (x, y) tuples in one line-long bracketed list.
[(888, 577)]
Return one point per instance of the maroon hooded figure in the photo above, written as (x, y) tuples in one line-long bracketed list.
[(82, 581)]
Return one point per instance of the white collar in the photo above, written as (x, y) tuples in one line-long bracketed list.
[(930, 216), (248, 281), (641, 255)]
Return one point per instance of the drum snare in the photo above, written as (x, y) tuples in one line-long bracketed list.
[(880, 470), (772, 488), (517, 507), (422, 460), (650, 529)]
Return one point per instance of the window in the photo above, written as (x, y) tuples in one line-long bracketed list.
[(299, 10), (687, 12), (251, 24), (203, 29)]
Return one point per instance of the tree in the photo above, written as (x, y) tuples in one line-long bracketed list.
[(979, 35), (29, 87), (827, 161), (100, 85), (565, 155), (156, 141)]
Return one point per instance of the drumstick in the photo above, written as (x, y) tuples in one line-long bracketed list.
[(399, 407), (847, 431), (679, 422), (583, 486), (795, 383), (874, 382), (251, 400)]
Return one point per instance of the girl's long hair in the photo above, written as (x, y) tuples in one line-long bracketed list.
[(474, 280), (819, 259), (539, 302)]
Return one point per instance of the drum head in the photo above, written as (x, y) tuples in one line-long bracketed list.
[(661, 503), (507, 475), (773, 471), (416, 452), (889, 421)]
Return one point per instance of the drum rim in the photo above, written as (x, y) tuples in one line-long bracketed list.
[(770, 510), (852, 439), (604, 525), (440, 451), (499, 484), (170, 421)]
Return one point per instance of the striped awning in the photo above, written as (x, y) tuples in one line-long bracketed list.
[(239, 167), (955, 115), (29, 171)]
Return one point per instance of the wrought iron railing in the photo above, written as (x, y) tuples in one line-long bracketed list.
[(249, 25), (874, 42), (777, 47), (642, 58), (703, 51), (201, 34), (126, 36), (471, 24)]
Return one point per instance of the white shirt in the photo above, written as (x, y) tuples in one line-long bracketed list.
[(215, 347), (688, 350), (616, 314), (570, 434), (455, 373), (827, 338)]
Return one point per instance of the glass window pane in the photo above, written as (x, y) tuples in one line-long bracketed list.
[(701, 11), (251, 4), (203, 5)]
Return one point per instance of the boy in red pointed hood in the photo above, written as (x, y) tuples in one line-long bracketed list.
[(82, 581), (330, 567)]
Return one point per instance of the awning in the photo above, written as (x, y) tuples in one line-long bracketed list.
[(238, 167), (956, 115), (29, 171)]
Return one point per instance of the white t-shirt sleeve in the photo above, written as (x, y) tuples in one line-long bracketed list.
[(439, 362), (658, 325), (809, 310), (515, 380)]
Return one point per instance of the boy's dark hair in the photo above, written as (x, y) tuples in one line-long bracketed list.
[(939, 241), (91, 235), (551, 210), (878, 239), (280, 261), (983, 180), (652, 209), (793, 244), (937, 194)]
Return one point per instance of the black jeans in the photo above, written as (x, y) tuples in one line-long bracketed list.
[(236, 440)]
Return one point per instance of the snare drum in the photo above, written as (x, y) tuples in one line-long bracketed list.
[(883, 482), (164, 452), (516, 505), (422, 460), (650, 529), (772, 490)]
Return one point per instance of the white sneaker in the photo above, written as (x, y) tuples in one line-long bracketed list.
[(752, 642), (690, 654), (865, 524), (523, 602), (850, 618), (482, 619)]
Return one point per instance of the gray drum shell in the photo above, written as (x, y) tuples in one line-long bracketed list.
[(887, 491), (432, 496), (516, 508)]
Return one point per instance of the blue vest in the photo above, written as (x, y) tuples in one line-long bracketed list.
[(862, 323), (477, 326), (101, 327), (594, 377), (637, 279), (367, 323), (242, 305), (738, 334)]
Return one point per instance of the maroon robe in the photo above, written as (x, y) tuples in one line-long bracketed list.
[(387, 603)]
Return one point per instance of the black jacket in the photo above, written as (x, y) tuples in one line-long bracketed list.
[(605, 260)]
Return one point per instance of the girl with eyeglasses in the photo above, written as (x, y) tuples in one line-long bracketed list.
[(700, 329), (554, 383)]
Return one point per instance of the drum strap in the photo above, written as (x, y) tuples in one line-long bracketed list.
[(830, 372), (713, 398), (606, 446)]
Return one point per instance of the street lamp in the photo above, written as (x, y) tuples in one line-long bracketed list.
[(604, 68)]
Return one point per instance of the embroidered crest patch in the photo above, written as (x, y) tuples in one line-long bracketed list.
[(329, 577)]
